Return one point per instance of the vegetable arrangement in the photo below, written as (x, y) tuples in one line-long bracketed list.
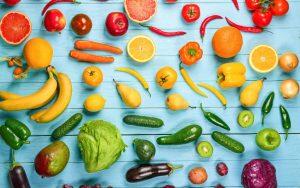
[(100, 142)]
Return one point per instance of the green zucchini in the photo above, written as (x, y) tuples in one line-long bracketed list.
[(228, 142), (67, 126), (144, 149), (188, 134), (143, 121)]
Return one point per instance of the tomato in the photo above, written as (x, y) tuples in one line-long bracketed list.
[(11, 2), (166, 77), (190, 13), (92, 76), (262, 17), (252, 4), (279, 7), (81, 24)]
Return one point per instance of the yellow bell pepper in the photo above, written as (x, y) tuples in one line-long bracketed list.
[(231, 75)]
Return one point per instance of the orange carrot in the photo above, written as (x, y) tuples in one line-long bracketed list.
[(91, 45), (90, 58)]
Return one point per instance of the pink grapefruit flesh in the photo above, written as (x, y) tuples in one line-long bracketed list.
[(15, 27), (140, 11)]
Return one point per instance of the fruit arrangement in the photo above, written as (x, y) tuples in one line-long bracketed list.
[(100, 143)]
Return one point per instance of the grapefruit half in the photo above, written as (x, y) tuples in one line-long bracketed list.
[(140, 11), (15, 27)]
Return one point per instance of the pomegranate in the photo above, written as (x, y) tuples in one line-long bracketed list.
[(11, 2), (116, 23), (54, 20)]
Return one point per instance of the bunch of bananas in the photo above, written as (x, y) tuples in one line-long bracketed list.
[(14, 102)]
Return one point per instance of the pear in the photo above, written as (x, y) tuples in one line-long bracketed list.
[(130, 96), (176, 102), (250, 94)]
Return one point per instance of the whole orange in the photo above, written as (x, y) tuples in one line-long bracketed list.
[(227, 42)]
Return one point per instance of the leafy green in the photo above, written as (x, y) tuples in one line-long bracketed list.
[(101, 145)]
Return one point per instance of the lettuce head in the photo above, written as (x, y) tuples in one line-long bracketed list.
[(101, 145)]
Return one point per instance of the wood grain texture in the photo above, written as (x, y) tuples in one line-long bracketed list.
[(285, 37)]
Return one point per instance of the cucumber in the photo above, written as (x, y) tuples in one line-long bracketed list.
[(188, 134), (143, 121), (144, 149), (67, 126), (228, 142)]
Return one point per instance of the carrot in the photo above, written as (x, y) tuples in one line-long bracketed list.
[(90, 58), (91, 45)]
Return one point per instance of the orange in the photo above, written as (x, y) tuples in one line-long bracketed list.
[(263, 59), (227, 42), (141, 48)]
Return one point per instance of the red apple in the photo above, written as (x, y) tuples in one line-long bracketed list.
[(54, 20), (11, 2), (116, 23)]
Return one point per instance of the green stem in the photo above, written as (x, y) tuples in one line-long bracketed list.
[(175, 167), (148, 92), (286, 133), (263, 119)]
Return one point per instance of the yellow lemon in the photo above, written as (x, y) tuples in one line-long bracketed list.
[(94, 103), (263, 59), (141, 48)]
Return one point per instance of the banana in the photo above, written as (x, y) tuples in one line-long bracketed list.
[(36, 100), (8, 95), (59, 106)]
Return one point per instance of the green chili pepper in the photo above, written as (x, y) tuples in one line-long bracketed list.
[(214, 119), (14, 133), (267, 106), (285, 120)]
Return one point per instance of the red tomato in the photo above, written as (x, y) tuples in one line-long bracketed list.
[(252, 4), (11, 2), (279, 7), (262, 17), (190, 13)]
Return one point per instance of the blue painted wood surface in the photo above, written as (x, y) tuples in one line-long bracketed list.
[(285, 37)]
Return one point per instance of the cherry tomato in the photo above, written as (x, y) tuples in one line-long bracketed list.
[(92, 76), (279, 7), (190, 13), (262, 17), (252, 4)]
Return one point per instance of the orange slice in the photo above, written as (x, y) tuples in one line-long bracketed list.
[(141, 48), (263, 59)]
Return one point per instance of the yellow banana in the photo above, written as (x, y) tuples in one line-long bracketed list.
[(190, 82), (137, 75), (35, 100), (38, 114), (8, 95), (62, 102), (215, 91)]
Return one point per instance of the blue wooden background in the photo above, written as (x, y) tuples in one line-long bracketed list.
[(285, 37)]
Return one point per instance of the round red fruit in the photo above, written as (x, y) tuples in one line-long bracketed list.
[(262, 17), (190, 13), (11, 2), (81, 24), (279, 7), (54, 20), (252, 4), (116, 23)]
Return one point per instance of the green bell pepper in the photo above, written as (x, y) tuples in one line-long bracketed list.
[(15, 133)]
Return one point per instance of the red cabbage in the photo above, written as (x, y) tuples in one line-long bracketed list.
[(259, 173)]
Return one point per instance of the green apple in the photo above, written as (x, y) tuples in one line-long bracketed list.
[(268, 139)]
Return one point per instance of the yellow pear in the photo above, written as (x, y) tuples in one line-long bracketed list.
[(176, 102), (250, 94), (130, 96)]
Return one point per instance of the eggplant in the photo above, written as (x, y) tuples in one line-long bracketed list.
[(18, 177), (148, 171)]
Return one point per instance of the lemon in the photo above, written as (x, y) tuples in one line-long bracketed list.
[(141, 48), (263, 59), (94, 103)]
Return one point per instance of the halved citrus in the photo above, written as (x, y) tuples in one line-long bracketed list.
[(263, 59), (140, 11), (15, 27), (141, 48)]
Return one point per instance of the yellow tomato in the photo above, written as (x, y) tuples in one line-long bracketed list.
[(166, 77), (94, 103), (92, 76)]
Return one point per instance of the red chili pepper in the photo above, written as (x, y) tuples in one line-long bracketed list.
[(205, 22), (236, 4), (52, 2), (164, 33), (253, 29)]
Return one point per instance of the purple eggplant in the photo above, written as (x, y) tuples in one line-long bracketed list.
[(18, 177)]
